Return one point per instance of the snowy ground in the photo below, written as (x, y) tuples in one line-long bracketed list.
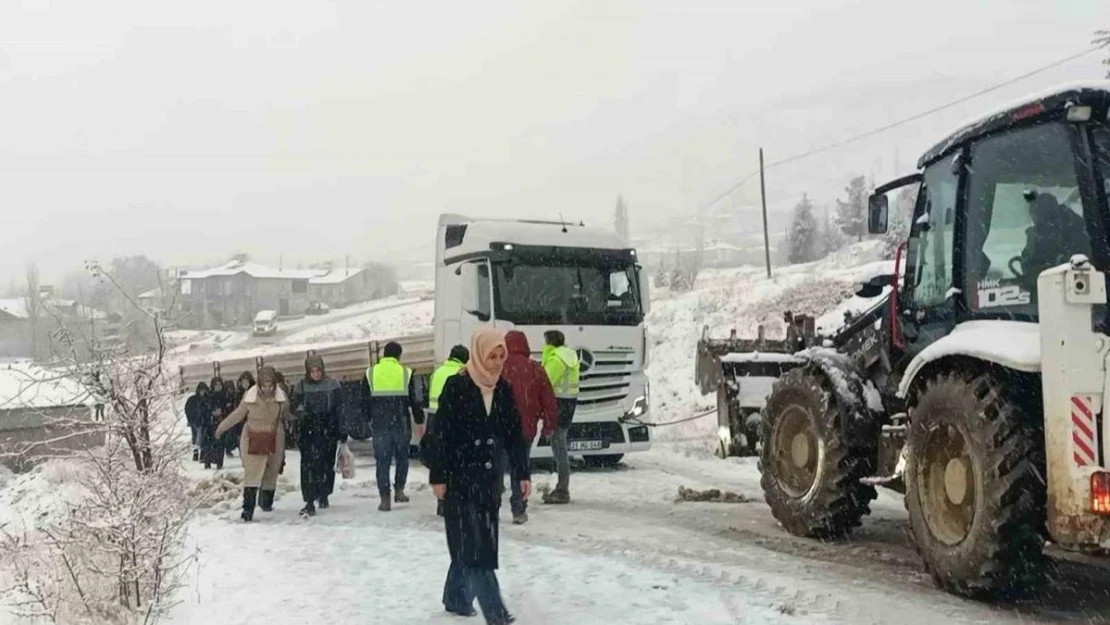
[(625, 552)]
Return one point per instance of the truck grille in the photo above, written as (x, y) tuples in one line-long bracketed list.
[(606, 383)]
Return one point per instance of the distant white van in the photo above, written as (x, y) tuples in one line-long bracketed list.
[(265, 323)]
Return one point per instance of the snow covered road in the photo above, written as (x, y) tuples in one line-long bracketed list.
[(623, 552)]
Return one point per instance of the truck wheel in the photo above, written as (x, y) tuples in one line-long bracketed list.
[(811, 475), (975, 503)]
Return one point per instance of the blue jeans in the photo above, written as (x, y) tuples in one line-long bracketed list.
[(464, 584), (391, 444), (516, 501)]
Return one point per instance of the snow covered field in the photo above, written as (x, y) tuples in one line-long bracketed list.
[(625, 551)]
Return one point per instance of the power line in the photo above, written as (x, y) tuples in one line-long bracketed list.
[(832, 146)]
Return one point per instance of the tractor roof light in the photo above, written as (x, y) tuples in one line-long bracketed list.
[(1079, 113), (1100, 493)]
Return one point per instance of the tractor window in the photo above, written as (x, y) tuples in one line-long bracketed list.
[(930, 250), (1024, 215), (1102, 147)]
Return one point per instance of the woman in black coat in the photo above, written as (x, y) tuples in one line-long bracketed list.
[(476, 422)]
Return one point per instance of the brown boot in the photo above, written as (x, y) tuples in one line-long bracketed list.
[(385, 506), (401, 497)]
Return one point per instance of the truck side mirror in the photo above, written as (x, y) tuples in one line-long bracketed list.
[(645, 291), (877, 207)]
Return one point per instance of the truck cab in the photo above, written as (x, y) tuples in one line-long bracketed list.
[(535, 276)]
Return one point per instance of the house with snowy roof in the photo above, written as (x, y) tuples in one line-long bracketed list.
[(43, 413), (233, 293)]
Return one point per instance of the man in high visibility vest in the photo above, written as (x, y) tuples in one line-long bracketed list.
[(455, 363), (562, 367), (392, 403)]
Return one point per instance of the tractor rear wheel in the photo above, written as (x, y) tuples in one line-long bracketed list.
[(975, 503), (811, 474)]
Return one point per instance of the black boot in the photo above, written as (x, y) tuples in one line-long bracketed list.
[(323, 501), (266, 500), (250, 495), (308, 510)]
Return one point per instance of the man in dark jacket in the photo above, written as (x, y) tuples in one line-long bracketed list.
[(197, 411), (535, 400), (392, 408), (317, 406)]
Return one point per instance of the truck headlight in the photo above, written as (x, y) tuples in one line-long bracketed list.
[(639, 407)]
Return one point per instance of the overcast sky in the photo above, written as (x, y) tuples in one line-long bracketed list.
[(191, 130)]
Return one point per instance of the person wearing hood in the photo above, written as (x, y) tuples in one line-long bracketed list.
[(220, 404), (242, 385), (316, 406), (476, 423), (196, 412), (263, 440), (562, 367), (535, 400)]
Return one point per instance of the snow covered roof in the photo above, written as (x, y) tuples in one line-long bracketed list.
[(254, 270), (15, 307), (973, 127), (480, 233), (26, 385), (337, 276)]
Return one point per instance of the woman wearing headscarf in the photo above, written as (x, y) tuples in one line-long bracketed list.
[(196, 411), (477, 421), (263, 439)]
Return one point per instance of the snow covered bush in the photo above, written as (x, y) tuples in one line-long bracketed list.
[(111, 550), (802, 236)]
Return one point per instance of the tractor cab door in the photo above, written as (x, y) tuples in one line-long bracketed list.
[(927, 303)]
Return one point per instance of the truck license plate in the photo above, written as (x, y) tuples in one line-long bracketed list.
[(585, 445)]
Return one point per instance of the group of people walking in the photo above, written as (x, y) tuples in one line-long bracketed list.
[(485, 407), (204, 411)]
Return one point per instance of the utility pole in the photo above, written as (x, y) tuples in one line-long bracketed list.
[(763, 199)]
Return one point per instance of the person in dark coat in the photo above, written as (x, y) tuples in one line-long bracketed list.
[(476, 423), (242, 385), (221, 404), (196, 409), (535, 400), (317, 406)]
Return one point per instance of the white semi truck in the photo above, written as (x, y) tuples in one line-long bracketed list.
[(529, 276), (534, 276)]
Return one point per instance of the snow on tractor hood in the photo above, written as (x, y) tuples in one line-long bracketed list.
[(1013, 344)]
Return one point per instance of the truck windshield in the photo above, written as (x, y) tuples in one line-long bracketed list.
[(604, 291)]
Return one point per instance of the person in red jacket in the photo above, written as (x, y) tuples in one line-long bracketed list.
[(535, 400)]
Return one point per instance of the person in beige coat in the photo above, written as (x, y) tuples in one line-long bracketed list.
[(262, 444)]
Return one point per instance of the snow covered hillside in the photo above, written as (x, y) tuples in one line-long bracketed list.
[(742, 299)]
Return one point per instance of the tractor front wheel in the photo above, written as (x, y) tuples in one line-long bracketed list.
[(811, 474)]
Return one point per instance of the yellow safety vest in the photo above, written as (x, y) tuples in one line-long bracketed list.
[(562, 367), (388, 378), (439, 379)]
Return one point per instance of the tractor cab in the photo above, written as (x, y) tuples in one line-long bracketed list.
[(1000, 201)]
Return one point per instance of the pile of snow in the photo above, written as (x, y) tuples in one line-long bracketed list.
[(182, 341)]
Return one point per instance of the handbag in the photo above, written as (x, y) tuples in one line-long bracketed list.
[(261, 442)]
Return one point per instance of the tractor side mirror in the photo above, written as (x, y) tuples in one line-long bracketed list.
[(877, 208)]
